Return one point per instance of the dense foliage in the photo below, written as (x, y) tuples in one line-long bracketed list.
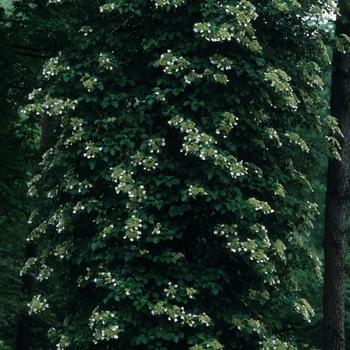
[(176, 197), (15, 169)]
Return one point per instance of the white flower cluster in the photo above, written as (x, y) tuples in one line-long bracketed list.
[(260, 116), (249, 246), (284, 7), (34, 213), (44, 273), (225, 230), (52, 193), (91, 150), (107, 231), (192, 77), (37, 232), (50, 107), (305, 309), (89, 82), (62, 249), (171, 63), (176, 121), (77, 207), (228, 122), (178, 314), (72, 182), (313, 80), (195, 191), (81, 186), (159, 96), (175, 3), (205, 29), (132, 228), (316, 260), (190, 292), (236, 168), (244, 6), (254, 249), (279, 248), (28, 266), (57, 219), (279, 80), (332, 125), (222, 63), (32, 94), (156, 144), (105, 61), (171, 290), (260, 205), (273, 135), (279, 190), (32, 191), (256, 325), (220, 78), (106, 277), (46, 156), (272, 280), (202, 145), (156, 229), (136, 195), (274, 344), (298, 141), (332, 140), (104, 325), (36, 305), (258, 228), (64, 340), (81, 278), (86, 30), (194, 140), (148, 163), (52, 68), (313, 207), (126, 184), (241, 29), (107, 7)]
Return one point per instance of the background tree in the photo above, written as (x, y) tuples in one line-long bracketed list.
[(15, 155), (21, 59), (177, 197), (336, 227)]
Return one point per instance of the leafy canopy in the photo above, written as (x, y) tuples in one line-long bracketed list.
[(176, 194)]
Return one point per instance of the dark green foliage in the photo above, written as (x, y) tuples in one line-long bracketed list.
[(17, 152), (177, 195), (10, 263)]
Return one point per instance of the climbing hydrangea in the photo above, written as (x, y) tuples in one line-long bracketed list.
[(175, 195)]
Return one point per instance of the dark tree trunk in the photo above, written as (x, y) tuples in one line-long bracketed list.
[(23, 331), (335, 239), (23, 334)]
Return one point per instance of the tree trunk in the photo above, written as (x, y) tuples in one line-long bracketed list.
[(23, 333), (335, 238)]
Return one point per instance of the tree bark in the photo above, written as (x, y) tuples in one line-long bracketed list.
[(335, 239), (23, 331)]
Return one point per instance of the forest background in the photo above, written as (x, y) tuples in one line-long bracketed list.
[(29, 44)]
